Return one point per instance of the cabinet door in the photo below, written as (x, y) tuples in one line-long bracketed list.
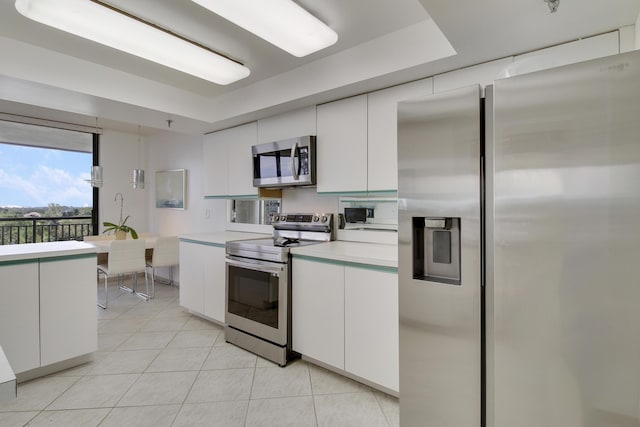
[(214, 282), (19, 314), (293, 124), (239, 142), (215, 164), (68, 323), (342, 146), (192, 264), (318, 311), (382, 153), (371, 325)]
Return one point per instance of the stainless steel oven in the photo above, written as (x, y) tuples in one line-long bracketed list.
[(257, 297), (258, 274)]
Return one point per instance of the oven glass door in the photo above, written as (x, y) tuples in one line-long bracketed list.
[(257, 298)]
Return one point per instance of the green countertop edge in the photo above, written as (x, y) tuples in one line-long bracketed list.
[(200, 242), (358, 193), (68, 257), (48, 259), (374, 267), (18, 262), (233, 196)]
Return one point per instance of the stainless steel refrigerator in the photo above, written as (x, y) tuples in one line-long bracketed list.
[(519, 237)]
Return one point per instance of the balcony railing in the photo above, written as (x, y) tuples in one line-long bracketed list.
[(44, 229)]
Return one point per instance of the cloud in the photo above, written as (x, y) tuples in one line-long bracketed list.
[(46, 185)]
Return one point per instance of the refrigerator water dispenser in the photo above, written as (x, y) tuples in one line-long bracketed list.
[(436, 249)]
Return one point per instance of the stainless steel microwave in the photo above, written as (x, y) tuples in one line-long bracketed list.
[(286, 163)]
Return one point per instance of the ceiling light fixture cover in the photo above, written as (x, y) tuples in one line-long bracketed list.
[(280, 22), (104, 25)]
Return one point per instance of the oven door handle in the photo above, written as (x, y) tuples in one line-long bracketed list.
[(257, 266)]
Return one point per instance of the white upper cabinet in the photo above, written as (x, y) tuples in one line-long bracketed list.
[(228, 164), (296, 123), (358, 139), (216, 166), (342, 146), (382, 130), (241, 139)]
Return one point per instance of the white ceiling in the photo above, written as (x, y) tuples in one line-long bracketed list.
[(54, 75)]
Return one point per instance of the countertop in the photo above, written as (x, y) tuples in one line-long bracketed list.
[(378, 254), (44, 250), (219, 238)]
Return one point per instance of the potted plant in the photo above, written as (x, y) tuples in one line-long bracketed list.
[(121, 229)]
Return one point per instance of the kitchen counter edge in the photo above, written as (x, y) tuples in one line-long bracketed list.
[(219, 238), (373, 254), (34, 251)]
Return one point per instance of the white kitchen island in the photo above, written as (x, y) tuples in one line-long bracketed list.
[(47, 306)]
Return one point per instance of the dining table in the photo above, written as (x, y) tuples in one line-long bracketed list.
[(102, 245)]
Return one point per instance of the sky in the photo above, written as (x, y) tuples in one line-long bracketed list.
[(36, 177)]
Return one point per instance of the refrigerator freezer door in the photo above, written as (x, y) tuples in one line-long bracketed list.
[(567, 246), (439, 149)]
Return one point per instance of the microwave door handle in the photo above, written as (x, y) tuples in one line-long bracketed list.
[(255, 266), (294, 150)]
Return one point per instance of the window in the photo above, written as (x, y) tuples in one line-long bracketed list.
[(43, 192)]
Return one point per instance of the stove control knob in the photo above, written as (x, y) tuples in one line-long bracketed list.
[(325, 218), (316, 218)]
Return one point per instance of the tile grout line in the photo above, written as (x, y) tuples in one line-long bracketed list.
[(253, 380), (195, 379), (313, 398)]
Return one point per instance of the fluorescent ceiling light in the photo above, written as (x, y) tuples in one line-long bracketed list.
[(110, 27), (280, 22)]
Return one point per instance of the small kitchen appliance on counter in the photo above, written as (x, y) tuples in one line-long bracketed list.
[(258, 288)]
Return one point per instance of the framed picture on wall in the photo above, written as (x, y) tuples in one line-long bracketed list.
[(171, 188)]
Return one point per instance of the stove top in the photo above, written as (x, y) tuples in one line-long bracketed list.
[(290, 231)]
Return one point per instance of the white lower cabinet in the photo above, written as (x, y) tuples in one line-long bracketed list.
[(47, 310), (192, 264), (318, 311), (68, 325), (202, 279), (215, 283), (346, 316), (19, 310), (371, 325)]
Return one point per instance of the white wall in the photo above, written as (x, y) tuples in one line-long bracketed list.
[(305, 200), (120, 154), (170, 150)]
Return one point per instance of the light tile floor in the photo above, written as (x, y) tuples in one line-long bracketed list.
[(157, 365)]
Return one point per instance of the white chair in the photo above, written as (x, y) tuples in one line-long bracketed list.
[(166, 253), (125, 257)]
